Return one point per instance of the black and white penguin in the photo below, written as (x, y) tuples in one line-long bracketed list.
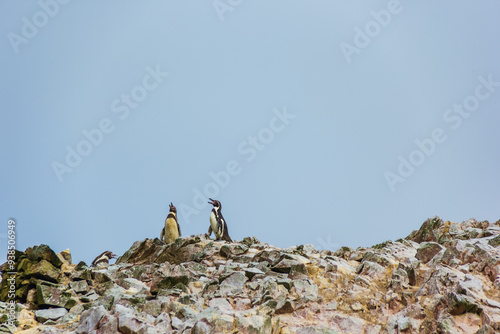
[(102, 261), (172, 230), (217, 223)]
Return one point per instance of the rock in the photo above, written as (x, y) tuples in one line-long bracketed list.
[(79, 286), (50, 314), (370, 269), (48, 295), (272, 256), (288, 307), (43, 252), (134, 287), (43, 270), (233, 284), (486, 329), (233, 250), (249, 241), (143, 252), (151, 251), (128, 323), (108, 325), (83, 274), (66, 255), (177, 323), (438, 281), (254, 324), (153, 307), (162, 323), (305, 290), (201, 327), (428, 231), (460, 304), (222, 304), (278, 293), (89, 320), (284, 266), (356, 307), (102, 276), (495, 242), (427, 251), (106, 301), (316, 330), (251, 272), (220, 323), (168, 283), (89, 297)]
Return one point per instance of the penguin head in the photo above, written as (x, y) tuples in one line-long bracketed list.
[(172, 208), (110, 255), (215, 203)]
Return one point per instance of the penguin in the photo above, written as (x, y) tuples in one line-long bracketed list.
[(217, 223), (172, 230), (102, 261)]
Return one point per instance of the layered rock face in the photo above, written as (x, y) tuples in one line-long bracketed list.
[(442, 278)]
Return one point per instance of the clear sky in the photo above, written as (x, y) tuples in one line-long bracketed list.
[(323, 122)]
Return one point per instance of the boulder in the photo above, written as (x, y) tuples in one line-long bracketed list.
[(285, 266), (50, 314), (52, 295), (254, 324), (428, 231), (79, 286), (222, 304), (233, 284), (43, 252), (427, 251), (305, 290), (169, 282), (371, 269), (42, 270), (89, 320), (151, 251), (494, 242), (233, 249)]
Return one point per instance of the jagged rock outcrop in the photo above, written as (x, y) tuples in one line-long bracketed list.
[(442, 278)]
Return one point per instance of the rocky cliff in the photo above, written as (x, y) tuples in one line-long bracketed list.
[(442, 278)]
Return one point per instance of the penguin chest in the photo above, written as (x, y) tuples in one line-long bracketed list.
[(171, 231), (213, 224), (102, 263)]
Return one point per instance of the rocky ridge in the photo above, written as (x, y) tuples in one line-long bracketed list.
[(442, 278)]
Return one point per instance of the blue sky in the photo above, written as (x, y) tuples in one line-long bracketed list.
[(328, 123)]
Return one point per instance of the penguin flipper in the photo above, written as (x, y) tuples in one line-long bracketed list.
[(162, 234), (220, 229), (209, 230), (226, 234), (178, 228)]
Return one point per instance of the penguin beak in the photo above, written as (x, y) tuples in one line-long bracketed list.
[(114, 256), (211, 201)]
